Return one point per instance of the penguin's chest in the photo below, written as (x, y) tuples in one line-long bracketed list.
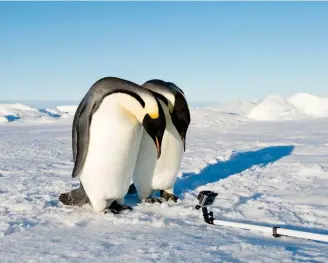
[(167, 166), (113, 147)]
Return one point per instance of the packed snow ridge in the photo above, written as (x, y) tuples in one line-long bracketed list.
[(17, 111), (275, 107), (272, 108), (298, 106)]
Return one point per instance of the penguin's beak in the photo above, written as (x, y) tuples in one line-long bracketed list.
[(158, 147), (183, 139)]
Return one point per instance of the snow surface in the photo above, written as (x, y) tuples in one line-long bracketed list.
[(268, 173)]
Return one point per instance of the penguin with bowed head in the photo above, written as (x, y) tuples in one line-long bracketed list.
[(146, 178), (106, 135), (148, 175)]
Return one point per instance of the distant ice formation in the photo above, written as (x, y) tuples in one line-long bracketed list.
[(272, 108)]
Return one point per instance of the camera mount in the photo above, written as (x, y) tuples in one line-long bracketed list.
[(206, 198)]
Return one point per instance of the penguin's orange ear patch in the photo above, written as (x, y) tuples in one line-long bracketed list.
[(153, 115)]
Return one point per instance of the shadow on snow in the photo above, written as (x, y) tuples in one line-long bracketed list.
[(237, 163)]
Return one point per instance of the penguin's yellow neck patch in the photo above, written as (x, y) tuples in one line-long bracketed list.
[(171, 107), (153, 115)]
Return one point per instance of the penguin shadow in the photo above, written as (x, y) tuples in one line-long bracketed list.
[(237, 163)]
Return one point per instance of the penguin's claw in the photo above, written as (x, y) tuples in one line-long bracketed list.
[(167, 196), (66, 199), (108, 210), (116, 208), (153, 200)]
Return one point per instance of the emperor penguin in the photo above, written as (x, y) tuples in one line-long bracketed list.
[(151, 175), (106, 134), (147, 178)]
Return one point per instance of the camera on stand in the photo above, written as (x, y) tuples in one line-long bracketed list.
[(206, 198)]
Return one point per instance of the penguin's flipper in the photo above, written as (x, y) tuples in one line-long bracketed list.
[(74, 128), (82, 131)]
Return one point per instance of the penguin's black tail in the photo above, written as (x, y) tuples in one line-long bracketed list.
[(132, 190)]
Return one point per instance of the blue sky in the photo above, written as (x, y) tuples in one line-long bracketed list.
[(214, 51)]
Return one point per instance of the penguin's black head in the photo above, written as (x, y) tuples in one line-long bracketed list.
[(181, 116), (155, 127), (177, 104)]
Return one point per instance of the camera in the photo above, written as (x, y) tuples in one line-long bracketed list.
[(205, 198)]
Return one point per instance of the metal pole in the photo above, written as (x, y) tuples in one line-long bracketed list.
[(207, 197), (274, 231)]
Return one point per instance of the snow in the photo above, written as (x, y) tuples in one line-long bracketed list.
[(17, 111), (274, 107), (68, 109), (12, 109), (236, 107), (311, 105), (298, 106), (272, 173)]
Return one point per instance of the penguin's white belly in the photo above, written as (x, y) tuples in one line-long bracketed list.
[(145, 166), (113, 147), (167, 166)]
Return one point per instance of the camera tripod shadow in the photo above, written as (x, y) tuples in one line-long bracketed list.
[(237, 163)]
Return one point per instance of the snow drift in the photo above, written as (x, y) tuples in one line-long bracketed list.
[(17, 111), (298, 106), (68, 109), (240, 107), (310, 105), (274, 107), (11, 112)]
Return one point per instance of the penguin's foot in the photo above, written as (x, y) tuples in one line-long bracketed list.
[(153, 200), (116, 208), (67, 199), (167, 196)]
